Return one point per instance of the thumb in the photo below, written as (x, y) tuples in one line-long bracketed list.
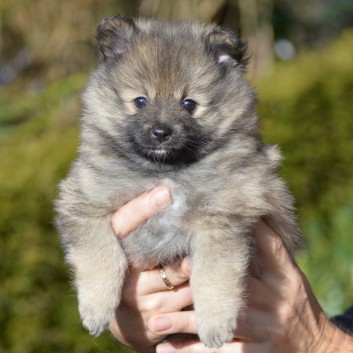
[(136, 212)]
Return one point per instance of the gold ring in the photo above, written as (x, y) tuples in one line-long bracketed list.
[(164, 277)]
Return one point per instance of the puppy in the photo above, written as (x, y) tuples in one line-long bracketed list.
[(169, 104)]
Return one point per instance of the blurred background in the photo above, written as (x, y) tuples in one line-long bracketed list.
[(301, 63)]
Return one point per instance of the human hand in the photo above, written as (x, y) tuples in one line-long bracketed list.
[(144, 293), (283, 314)]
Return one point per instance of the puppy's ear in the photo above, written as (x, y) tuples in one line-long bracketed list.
[(115, 37), (226, 47)]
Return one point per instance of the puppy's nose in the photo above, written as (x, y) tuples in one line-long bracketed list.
[(161, 132)]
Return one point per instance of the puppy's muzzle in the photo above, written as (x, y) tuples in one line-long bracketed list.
[(161, 132)]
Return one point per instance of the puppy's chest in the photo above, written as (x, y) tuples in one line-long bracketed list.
[(164, 238)]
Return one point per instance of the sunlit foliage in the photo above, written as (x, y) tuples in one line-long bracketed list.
[(306, 107)]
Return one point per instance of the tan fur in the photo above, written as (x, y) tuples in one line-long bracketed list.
[(222, 178)]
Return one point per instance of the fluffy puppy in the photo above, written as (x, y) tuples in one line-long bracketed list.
[(169, 104)]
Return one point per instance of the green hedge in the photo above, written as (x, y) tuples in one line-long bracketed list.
[(306, 108), (38, 139)]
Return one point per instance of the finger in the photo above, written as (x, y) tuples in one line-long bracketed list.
[(273, 254), (256, 326), (179, 345), (129, 328), (176, 322), (136, 212), (164, 302), (182, 346), (176, 300), (260, 295), (151, 281)]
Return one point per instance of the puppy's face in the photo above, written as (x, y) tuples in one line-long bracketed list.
[(164, 130), (166, 93)]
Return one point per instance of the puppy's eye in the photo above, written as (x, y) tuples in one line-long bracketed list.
[(140, 102), (188, 104)]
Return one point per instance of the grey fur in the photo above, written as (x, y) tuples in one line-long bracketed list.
[(222, 178)]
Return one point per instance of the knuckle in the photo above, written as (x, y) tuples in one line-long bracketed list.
[(285, 313), (277, 246), (152, 305), (187, 323)]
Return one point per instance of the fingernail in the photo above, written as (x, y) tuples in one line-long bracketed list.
[(162, 324), (160, 197), (165, 347)]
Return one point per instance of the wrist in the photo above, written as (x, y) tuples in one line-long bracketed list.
[(341, 342), (334, 340)]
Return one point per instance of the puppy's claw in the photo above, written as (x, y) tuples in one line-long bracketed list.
[(94, 327), (215, 335), (95, 321)]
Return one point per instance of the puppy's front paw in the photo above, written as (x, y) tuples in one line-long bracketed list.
[(94, 318), (216, 331), (97, 309)]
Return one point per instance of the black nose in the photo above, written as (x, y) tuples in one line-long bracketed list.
[(161, 132)]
